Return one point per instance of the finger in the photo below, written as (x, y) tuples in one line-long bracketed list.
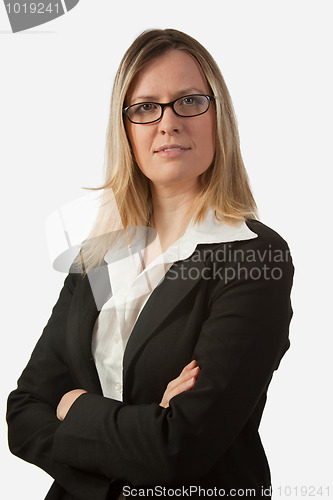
[(183, 387), (178, 385), (183, 377), (189, 374), (168, 395), (190, 365), (194, 372)]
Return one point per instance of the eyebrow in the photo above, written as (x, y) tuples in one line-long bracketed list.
[(180, 93)]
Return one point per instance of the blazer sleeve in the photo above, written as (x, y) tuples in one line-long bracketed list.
[(240, 344), (31, 411)]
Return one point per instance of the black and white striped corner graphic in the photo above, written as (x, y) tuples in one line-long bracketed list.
[(24, 14)]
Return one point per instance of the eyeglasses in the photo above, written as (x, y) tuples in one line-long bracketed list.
[(186, 106)]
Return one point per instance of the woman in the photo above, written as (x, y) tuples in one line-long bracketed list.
[(166, 385)]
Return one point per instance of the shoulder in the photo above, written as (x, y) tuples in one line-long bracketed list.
[(266, 236), (265, 250), (262, 262), (263, 237)]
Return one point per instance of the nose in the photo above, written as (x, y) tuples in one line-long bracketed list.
[(170, 123)]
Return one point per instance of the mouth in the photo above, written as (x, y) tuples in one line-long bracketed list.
[(169, 148)]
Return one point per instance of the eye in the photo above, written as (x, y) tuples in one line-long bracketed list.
[(144, 108), (143, 112), (189, 100), (147, 106)]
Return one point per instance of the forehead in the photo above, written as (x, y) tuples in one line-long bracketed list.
[(168, 74)]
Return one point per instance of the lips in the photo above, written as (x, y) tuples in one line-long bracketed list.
[(171, 147)]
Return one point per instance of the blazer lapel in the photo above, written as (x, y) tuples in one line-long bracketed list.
[(166, 296), (92, 291)]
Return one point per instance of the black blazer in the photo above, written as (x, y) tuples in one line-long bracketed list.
[(228, 307)]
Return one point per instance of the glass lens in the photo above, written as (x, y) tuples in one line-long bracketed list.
[(144, 112), (191, 105)]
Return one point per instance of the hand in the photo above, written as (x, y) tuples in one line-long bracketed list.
[(185, 382), (66, 402)]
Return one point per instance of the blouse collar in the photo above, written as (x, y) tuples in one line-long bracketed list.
[(129, 280), (209, 230)]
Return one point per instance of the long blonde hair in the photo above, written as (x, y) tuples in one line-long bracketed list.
[(126, 197)]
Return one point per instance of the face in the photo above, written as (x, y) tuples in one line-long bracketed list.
[(190, 140)]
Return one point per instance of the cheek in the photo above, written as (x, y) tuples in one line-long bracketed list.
[(212, 134), (139, 141), (207, 137)]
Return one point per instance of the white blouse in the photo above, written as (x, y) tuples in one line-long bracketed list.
[(132, 286)]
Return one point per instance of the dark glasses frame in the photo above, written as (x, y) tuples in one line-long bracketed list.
[(163, 105)]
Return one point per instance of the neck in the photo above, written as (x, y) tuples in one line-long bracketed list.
[(172, 211)]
